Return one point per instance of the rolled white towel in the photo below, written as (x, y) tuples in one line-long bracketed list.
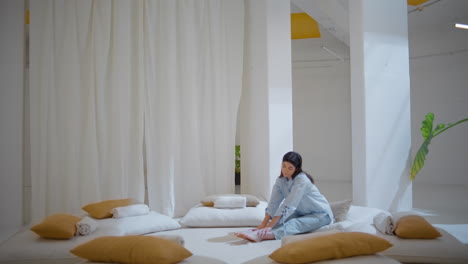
[(384, 222), (230, 202), (86, 226), (130, 210)]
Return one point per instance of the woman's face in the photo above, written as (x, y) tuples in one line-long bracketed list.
[(287, 169)]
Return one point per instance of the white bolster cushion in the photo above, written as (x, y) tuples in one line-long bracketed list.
[(130, 210), (230, 202)]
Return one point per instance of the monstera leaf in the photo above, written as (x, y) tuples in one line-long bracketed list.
[(428, 133)]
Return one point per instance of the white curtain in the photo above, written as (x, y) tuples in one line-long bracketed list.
[(193, 85), (109, 76), (86, 98)]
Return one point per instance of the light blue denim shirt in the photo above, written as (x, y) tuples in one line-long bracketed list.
[(299, 195)]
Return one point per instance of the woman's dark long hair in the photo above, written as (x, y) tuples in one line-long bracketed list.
[(296, 160)]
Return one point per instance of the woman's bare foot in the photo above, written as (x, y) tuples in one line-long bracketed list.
[(256, 235), (250, 235), (265, 234)]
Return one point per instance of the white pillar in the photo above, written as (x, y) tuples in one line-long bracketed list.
[(380, 104), (266, 102)]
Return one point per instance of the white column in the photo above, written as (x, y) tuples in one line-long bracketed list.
[(266, 102), (11, 115), (380, 104)]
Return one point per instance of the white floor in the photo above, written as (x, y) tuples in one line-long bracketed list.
[(444, 206), (5, 234), (443, 203)]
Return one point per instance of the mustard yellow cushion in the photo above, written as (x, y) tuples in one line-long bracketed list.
[(251, 200), (295, 238), (132, 249), (415, 226), (57, 226), (334, 246), (103, 209)]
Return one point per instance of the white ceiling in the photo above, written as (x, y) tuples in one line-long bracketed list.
[(438, 12), (434, 13)]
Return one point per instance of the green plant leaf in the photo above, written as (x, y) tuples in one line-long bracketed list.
[(439, 127), (420, 157), (428, 134), (426, 128)]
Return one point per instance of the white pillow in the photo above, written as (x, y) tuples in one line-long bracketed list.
[(362, 214), (355, 215), (203, 216), (340, 209), (140, 224)]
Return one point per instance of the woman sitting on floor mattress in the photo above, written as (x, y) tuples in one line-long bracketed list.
[(296, 205)]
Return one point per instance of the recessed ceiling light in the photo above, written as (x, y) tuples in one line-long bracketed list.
[(464, 26)]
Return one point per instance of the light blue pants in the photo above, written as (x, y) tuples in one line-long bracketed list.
[(296, 224)]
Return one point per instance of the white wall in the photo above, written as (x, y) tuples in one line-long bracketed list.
[(11, 114), (380, 104), (266, 101), (438, 69), (322, 126), (325, 93), (439, 85), (321, 113)]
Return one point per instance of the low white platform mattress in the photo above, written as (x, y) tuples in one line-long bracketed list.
[(208, 245)]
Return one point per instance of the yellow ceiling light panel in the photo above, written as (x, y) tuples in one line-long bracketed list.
[(303, 26), (416, 2)]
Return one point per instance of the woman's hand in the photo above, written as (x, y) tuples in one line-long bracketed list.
[(265, 222), (273, 221)]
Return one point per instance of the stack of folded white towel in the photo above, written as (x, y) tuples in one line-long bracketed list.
[(88, 225)]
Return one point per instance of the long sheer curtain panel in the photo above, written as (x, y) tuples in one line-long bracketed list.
[(86, 98), (193, 85), (107, 77)]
